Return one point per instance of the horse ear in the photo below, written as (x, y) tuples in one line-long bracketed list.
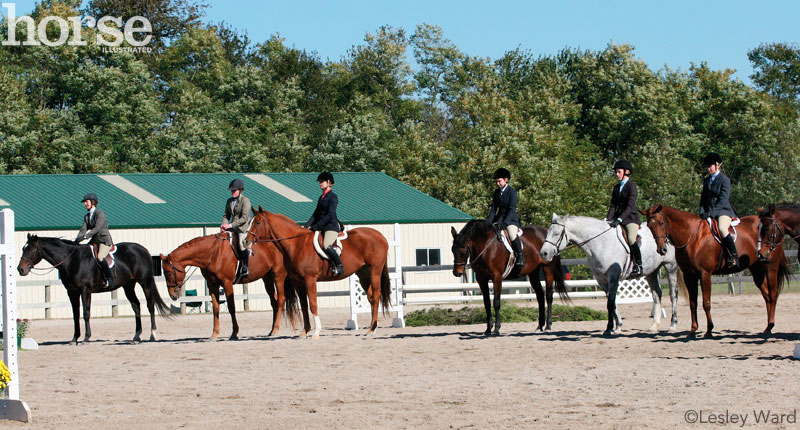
[(253, 209), (162, 257), (453, 231), (29, 236), (771, 209), (657, 208), (260, 209), (645, 213)]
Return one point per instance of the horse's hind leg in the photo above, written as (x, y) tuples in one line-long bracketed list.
[(75, 301), (148, 286), (372, 287), (655, 290), (672, 278), (130, 293), (536, 286), (86, 297), (232, 310)]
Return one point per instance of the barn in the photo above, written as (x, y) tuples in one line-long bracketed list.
[(162, 211)]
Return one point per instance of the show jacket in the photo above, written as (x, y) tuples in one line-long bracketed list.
[(623, 204), (324, 217), (95, 228), (714, 201), (238, 213), (504, 207)]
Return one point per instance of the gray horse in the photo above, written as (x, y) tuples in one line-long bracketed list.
[(609, 261)]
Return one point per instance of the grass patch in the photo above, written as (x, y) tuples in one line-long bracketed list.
[(509, 312)]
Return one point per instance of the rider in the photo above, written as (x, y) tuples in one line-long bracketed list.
[(95, 229), (715, 203), (503, 212), (324, 219), (237, 215), (622, 210)]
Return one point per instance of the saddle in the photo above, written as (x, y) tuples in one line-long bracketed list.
[(511, 257), (714, 226), (109, 258), (337, 246), (625, 237)]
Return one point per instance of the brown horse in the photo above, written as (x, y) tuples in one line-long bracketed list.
[(214, 256), (777, 222), (477, 243), (364, 253), (699, 256)]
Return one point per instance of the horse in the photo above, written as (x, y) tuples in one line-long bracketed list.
[(215, 258), (778, 221), (364, 253), (477, 246), (607, 252), (699, 256), (81, 276)]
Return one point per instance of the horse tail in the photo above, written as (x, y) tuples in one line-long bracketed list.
[(162, 307), (784, 274), (292, 303), (561, 286), (683, 292), (386, 288)]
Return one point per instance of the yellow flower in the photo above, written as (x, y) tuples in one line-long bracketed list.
[(5, 376)]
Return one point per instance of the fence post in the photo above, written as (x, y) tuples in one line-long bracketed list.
[(48, 311), (245, 293), (115, 306)]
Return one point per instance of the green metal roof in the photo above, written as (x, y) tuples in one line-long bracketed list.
[(52, 202)]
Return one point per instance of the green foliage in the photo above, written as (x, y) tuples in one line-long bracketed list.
[(509, 313)]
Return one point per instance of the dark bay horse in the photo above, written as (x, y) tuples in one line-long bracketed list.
[(80, 273), (477, 245), (214, 256), (777, 222), (364, 253), (699, 256)]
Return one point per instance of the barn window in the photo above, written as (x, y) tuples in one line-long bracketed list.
[(156, 265), (429, 256)]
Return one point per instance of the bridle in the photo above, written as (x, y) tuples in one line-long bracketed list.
[(480, 254), (666, 234), (772, 236), (570, 243), (212, 252), (41, 257), (257, 239)]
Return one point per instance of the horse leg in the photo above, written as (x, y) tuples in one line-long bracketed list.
[(655, 290), (691, 289), (232, 310), (148, 286), (497, 283), (672, 278), (86, 298), (311, 287), (611, 306), (134, 301), (536, 286), (75, 301), (277, 298), (483, 282), (549, 279), (372, 288), (762, 278), (706, 285), (213, 289)]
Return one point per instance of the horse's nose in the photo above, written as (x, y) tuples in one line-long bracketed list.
[(456, 273), (663, 250)]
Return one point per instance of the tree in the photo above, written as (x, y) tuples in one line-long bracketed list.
[(776, 69)]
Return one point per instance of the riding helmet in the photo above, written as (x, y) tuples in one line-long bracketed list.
[(711, 158), (236, 184), (502, 173), (90, 196), (325, 176), (623, 164)]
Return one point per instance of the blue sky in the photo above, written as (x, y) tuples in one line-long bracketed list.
[(673, 33)]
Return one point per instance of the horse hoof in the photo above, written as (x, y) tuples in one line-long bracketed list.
[(692, 335), (539, 330), (153, 338), (708, 335), (487, 333), (653, 329), (315, 337), (370, 333), (234, 337), (673, 329), (496, 333)]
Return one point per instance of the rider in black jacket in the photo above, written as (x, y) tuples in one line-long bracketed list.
[(504, 212)]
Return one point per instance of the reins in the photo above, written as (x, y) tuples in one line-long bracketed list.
[(574, 244), (258, 239), (187, 277), (45, 271), (666, 236)]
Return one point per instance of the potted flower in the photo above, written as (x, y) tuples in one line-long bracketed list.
[(5, 377)]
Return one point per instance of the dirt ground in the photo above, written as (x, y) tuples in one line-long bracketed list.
[(429, 377)]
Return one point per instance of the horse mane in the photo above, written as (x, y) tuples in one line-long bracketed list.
[(474, 229), (193, 242), (283, 218)]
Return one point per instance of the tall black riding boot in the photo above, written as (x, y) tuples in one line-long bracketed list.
[(244, 271), (337, 268), (108, 273), (636, 256), (732, 257), (516, 245)]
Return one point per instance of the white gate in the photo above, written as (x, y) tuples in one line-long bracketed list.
[(359, 304), (634, 291), (11, 408)]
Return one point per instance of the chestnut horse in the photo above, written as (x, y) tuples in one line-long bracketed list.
[(699, 256), (214, 256), (777, 222), (364, 253), (477, 245)]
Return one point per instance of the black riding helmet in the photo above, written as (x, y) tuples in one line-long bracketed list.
[(90, 196), (711, 158), (502, 173), (325, 176), (623, 164), (236, 184)]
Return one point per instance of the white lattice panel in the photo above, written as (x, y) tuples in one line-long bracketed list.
[(634, 291)]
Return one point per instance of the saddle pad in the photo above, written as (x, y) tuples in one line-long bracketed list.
[(511, 256), (336, 245), (109, 258), (714, 226)]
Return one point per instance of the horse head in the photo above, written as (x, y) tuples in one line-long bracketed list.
[(31, 255), (657, 223), (770, 233), (174, 275), (460, 251), (556, 239), (259, 228)]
